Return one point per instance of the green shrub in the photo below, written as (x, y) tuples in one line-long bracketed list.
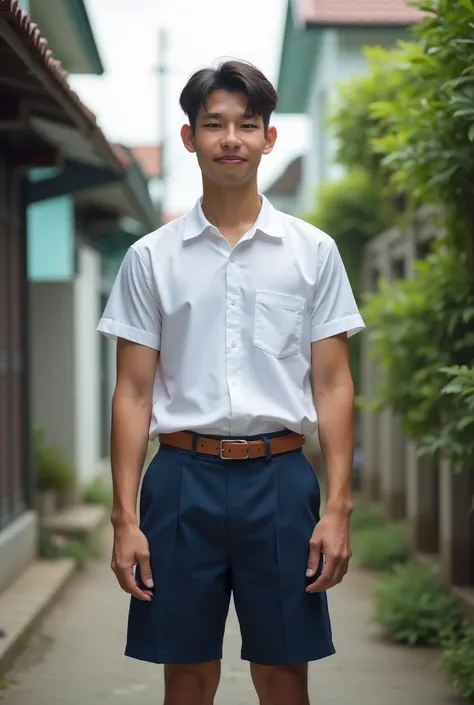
[(458, 661), (382, 547), (52, 470), (412, 606), (365, 516), (98, 492)]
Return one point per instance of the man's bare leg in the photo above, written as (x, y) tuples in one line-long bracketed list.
[(195, 684), (281, 685)]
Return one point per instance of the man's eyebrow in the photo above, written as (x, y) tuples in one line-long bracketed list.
[(218, 116)]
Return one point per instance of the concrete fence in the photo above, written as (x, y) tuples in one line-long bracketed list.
[(436, 501)]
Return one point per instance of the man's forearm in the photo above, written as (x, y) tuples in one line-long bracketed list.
[(129, 442), (335, 408)]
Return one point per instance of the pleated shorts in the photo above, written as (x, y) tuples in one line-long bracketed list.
[(229, 528)]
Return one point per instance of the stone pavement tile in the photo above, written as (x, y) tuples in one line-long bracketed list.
[(24, 602), (77, 656)]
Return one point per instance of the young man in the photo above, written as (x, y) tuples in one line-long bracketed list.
[(220, 317)]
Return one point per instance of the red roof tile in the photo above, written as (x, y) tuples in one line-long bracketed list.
[(377, 13), (33, 40), (149, 158)]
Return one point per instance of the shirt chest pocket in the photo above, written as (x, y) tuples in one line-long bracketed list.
[(278, 323)]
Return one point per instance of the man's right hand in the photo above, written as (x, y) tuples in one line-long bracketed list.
[(131, 548)]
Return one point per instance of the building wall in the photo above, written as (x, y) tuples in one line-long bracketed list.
[(17, 520), (52, 363), (286, 203), (315, 161), (87, 290), (65, 363), (51, 240), (341, 58)]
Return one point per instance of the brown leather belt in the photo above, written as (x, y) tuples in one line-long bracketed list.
[(232, 449)]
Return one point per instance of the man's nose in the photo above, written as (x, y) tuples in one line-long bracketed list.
[(231, 138)]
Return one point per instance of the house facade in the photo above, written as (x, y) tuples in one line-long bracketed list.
[(323, 46), (70, 204)]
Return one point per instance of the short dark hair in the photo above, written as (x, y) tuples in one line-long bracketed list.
[(230, 76)]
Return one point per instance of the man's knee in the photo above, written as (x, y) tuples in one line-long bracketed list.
[(193, 684), (281, 684)]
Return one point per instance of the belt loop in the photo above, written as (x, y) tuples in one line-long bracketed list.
[(268, 448), (194, 443)]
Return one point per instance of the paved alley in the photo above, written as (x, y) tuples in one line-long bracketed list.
[(76, 656)]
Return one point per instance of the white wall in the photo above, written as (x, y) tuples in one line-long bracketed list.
[(87, 370), (285, 203), (65, 364), (52, 364), (324, 76)]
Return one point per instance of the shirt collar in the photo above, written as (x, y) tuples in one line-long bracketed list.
[(268, 222)]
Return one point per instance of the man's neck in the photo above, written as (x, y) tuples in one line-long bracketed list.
[(232, 211)]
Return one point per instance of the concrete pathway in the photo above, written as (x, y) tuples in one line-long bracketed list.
[(76, 656)]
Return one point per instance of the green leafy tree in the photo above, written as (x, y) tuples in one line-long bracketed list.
[(427, 131), (352, 211), (419, 327), (410, 123), (355, 123)]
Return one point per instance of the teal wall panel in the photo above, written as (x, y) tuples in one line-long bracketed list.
[(51, 240)]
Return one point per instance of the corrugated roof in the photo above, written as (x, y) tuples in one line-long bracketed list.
[(376, 13), (32, 39)]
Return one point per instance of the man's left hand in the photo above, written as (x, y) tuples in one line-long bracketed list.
[(330, 538)]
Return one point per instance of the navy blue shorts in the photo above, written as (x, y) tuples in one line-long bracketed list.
[(220, 527)]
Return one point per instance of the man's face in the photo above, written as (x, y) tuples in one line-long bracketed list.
[(228, 145)]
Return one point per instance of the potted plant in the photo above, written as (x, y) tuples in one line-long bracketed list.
[(55, 476)]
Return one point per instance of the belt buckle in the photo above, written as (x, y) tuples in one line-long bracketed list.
[(232, 440)]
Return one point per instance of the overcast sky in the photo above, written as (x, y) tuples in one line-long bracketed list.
[(126, 99)]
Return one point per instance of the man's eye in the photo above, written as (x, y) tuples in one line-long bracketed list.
[(212, 124), (249, 126)]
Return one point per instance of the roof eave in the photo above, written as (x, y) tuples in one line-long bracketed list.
[(84, 27), (299, 52), (311, 25), (69, 32), (299, 48), (25, 41)]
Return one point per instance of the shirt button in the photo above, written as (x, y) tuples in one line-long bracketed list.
[(234, 344), (232, 303)]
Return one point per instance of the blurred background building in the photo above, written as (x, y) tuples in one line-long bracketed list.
[(71, 202), (323, 46)]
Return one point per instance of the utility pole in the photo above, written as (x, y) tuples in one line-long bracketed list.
[(162, 109)]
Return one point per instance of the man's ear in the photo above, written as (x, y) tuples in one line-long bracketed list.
[(270, 139), (188, 138)]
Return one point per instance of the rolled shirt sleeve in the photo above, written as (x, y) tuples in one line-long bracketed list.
[(132, 310), (334, 309)]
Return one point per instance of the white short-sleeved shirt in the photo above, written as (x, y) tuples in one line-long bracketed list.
[(234, 326)]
